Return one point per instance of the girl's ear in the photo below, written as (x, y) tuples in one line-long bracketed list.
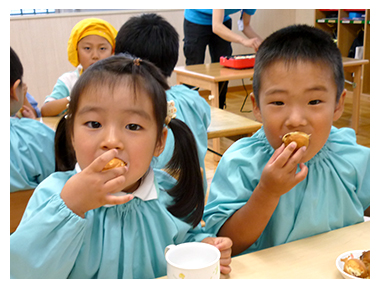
[(14, 88), (160, 146), (256, 109), (339, 108)]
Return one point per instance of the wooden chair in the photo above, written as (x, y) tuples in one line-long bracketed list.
[(18, 202)]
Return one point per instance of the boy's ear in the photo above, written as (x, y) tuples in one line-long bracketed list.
[(339, 107), (256, 109), (14, 88), (160, 146)]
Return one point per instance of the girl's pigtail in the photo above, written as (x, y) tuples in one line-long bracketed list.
[(64, 152), (188, 192)]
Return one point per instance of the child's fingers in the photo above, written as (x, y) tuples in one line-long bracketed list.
[(295, 159), (115, 184), (277, 153), (111, 199), (99, 163), (225, 269), (301, 175), (114, 172), (225, 257), (223, 244), (284, 155)]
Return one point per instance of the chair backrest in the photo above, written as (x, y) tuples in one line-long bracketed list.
[(18, 202)]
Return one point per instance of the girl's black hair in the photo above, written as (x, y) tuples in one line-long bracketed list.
[(119, 70), (299, 43)]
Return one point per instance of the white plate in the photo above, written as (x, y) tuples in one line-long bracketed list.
[(339, 264)]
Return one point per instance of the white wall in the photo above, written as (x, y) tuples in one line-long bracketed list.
[(41, 41)]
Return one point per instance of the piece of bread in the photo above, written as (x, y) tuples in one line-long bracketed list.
[(114, 163), (366, 257), (355, 267), (302, 139)]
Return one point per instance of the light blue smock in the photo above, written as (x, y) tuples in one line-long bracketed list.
[(31, 153), (334, 194), (193, 110), (122, 241)]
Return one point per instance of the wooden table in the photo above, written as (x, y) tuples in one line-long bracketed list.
[(18, 202), (51, 122), (309, 258), (226, 124), (207, 76)]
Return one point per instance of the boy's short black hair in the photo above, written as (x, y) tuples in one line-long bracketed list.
[(150, 37), (295, 43), (16, 69)]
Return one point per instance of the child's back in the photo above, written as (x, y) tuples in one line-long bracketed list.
[(31, 142)]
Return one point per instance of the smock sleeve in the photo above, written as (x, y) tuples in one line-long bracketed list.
[(31, 153), (64, 85), (49, 237), (237, 174), (354, 163)]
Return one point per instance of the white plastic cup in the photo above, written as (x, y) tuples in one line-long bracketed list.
[(192, 261)]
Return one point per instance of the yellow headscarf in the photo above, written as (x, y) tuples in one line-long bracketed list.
[(89, 26)]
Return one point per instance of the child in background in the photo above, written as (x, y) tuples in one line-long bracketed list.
[(31, 142), (192, 109), (91, 39), (90, 223), (264, 194)]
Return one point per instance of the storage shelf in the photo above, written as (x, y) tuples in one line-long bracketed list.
[(327, 20), (344, 25), (352, 21)]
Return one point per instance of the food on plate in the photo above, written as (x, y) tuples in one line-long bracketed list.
[(114, 163), (358, 267), (301, 138), (365, 257), (355, 267)]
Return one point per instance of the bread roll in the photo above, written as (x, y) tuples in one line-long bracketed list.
[(114, 163), (302, 139), (355, 267)]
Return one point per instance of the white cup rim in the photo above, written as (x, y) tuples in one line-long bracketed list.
[(192, 268)]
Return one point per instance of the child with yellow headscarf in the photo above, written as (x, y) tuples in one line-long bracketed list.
[(91, 39)]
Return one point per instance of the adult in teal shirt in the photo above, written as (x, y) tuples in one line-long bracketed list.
[(212, 27)]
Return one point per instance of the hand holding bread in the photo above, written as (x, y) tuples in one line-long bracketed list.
[(301, 138)]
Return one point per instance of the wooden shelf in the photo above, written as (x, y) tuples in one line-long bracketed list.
[(327, 20), (344, 30)]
